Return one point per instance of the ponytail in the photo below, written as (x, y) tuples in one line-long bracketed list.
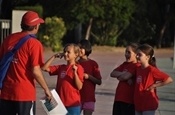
[(152, 61)]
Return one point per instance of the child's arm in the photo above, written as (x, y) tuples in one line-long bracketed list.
[(125, 76), (130, 81), (116, 74), (78, 82), (121, 76), (160, 83), (45, 67), (93, 79)]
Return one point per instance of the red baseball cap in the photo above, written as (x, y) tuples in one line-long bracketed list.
[(31, 18)]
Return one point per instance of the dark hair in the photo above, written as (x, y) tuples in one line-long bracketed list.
[(149, 51), (85, 44), (27, 28), (134, 46)]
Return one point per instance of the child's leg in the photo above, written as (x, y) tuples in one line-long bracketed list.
[(138, 113), (88, 108), (73, 110), (127, 109), (149, 112), (87, 112), (145, 113), (116, 108), (122, 108)]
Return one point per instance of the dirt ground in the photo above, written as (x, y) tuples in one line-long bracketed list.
[(159, 53)]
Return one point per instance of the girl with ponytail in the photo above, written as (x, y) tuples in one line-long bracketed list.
[(148, 78)]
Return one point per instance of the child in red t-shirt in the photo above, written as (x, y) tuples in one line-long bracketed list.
[(125, 73), (148, 78), (70, 78), (92, 77)]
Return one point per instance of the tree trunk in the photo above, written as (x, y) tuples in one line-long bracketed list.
[(162, 31), (78, 33), (89, 29)]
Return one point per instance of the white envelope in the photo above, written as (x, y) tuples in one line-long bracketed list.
[(55, 106)]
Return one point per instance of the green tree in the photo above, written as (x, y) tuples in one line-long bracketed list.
[(108, 18), (152, 22), (54, 32), (140, 29)]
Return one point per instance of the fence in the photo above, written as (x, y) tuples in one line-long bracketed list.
[(5, 29)]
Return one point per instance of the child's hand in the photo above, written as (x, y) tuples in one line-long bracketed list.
[(59, 55), (74, 68), (151, 88), (130, 82), (86, 76)]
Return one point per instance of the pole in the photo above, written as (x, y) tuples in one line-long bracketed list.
[(174, 49)]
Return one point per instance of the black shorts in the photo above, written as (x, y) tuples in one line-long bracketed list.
[(122, 108), (17, 107)]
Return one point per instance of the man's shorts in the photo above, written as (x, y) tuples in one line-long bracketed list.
[(88, 106), (8, 107)]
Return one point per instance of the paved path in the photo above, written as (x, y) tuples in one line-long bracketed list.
[(105, 93)]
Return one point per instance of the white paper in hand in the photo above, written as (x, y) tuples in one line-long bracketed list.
[(55, 106)]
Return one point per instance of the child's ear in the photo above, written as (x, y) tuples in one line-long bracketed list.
[(148, 57)]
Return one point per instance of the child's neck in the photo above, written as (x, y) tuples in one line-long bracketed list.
[(132, 61), (145, 65), (71, 62), (84, 58)]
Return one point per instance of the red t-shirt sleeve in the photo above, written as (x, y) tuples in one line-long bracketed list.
[(96, 71), (120, 67), (132, 68), (159, 75), (54, 69), (36, 52)]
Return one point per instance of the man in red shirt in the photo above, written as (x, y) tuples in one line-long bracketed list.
[(18, 93)]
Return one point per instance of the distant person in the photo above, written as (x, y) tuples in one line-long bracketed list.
[(70, 77), (148, 78), (125, 73), (92, 77), (18, 93)]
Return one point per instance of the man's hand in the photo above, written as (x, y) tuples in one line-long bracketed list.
[(48, 95)]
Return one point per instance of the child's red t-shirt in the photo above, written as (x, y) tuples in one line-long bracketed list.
[(145, 100), (88, 90), (66, 88), (124, 90)]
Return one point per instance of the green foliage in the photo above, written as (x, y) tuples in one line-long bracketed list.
[(110, 17), (141, 29), (113, 21), (54, 31)]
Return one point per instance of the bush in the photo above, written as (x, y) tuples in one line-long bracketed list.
[(54, 31)]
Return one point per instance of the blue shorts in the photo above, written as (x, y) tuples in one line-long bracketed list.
[(73, 110)]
